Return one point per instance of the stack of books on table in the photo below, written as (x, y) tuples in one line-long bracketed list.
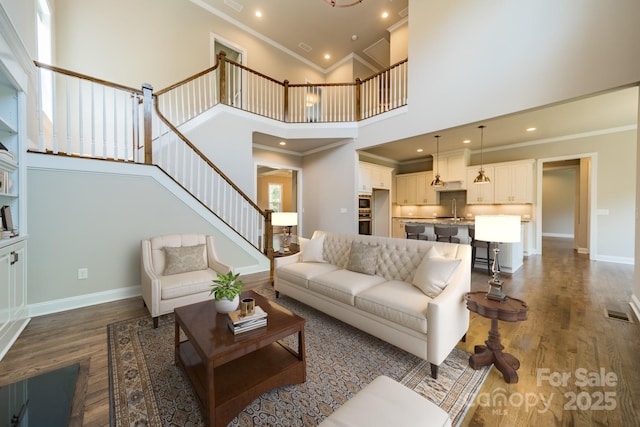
[(239, 323)]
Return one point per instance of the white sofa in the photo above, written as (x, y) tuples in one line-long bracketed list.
[(388, 298), (178, 276)]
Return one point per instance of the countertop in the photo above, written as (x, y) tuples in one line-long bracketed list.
[(431, 220)]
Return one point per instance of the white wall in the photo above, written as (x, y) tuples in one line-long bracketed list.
[(558, 202)]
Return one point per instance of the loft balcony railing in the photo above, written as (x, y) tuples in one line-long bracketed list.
[(82, 116), (236, 85)]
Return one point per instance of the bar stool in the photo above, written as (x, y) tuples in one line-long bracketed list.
[(415, 232), (479, 244), (445, 233)]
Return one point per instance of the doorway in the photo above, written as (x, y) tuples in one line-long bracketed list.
[(565, 201), (235, 80)]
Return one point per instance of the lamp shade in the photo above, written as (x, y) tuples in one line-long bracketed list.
[(284, 219), (498, 228)]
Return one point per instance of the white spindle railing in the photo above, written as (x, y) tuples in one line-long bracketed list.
[(87, 117), (384, 91), (188, 166)]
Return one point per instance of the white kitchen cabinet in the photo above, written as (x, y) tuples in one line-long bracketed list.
[(480, 194), (416, 189), (373, 176), (514, 182), (452, 166), (397, 230)]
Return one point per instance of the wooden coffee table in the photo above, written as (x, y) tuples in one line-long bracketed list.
[(229, 371)]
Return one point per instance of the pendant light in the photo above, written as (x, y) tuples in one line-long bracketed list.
[(481, 178), (437, 182)]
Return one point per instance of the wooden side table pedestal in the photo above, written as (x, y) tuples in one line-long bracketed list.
[(510, 310)]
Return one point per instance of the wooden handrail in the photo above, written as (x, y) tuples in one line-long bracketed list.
[(88, 78), (384, 71), (187, 80)]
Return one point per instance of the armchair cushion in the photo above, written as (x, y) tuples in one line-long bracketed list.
[(184, 259)]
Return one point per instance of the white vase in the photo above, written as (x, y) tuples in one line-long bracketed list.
[(225, 305)]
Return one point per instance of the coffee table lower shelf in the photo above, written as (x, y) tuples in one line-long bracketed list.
[(240, 381)]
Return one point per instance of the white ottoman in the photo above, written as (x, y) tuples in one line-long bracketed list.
[(385, 402)]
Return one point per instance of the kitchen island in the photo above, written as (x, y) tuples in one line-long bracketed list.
[(511, 254)]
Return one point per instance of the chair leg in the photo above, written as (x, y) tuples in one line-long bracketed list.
[(473, 256), (155, 323), (434, 371)]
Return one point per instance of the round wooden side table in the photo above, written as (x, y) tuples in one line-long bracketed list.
[(509, 310)]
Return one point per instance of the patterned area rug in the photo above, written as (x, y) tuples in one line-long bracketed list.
[(148, 389)]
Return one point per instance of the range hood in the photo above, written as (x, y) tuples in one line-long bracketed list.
[(452, 186)]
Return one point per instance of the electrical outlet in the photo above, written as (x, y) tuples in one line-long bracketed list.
[(83, 273)]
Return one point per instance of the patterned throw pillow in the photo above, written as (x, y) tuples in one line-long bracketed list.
[(184, 259), (363, 258), (434, 272)]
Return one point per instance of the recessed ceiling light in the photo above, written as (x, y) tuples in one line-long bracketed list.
[(327, 56), (466, 141), (283, 143), (259, 13), (419, 150), (531, 129), (385, 14)]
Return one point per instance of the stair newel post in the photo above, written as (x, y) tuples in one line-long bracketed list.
[(358, 115), (222, 70), (147, 100), (286, 101), (268, 233)]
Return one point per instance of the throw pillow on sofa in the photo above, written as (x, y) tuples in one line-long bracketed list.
[(363, 258), (184, 259), (312, 250), (434, 272)]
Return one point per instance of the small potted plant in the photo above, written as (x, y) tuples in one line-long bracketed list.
[(226, 291)]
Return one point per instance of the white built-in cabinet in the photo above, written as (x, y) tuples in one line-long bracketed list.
[(416, 189), (514, 182), (480, 194), (13, 259), (373, 176)]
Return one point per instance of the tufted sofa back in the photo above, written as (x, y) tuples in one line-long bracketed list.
[(398, 258)]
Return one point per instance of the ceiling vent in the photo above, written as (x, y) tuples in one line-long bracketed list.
[(234, 5), (404, 12), (379, 52), (304, 47)]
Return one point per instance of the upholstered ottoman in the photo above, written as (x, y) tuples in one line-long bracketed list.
[(385, 402)]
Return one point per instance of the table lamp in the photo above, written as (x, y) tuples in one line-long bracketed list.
[(286, 220), (497, 229)]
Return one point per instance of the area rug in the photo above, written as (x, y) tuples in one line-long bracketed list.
[(148, 389)]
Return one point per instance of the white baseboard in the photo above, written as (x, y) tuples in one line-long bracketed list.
[(635, 306), (614, 259), (64, 304), (563, 235)]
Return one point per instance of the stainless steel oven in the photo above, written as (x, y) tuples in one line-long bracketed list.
[(364, 201), (364, 222)]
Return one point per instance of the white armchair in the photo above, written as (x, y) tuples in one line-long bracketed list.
[(177, 270)]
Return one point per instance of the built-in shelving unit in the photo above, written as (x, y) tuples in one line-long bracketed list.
[(13, 241)]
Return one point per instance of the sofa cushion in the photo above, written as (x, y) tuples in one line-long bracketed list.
[(398, 302), (299, 273), (434, 272), (312, 250), (363, 258), (184, 259), (182, 284), (343, 285)]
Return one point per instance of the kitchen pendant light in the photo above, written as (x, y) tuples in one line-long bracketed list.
[(481, 178), (437, 182)]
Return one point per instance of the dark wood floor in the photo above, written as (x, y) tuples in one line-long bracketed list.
[(566, 330)]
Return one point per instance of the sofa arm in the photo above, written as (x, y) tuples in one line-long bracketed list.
[(212, 259), (447, 315), (149, 280), (285, 260)]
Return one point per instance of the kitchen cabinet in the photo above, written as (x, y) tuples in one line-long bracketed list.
[(480, 194), (513, 182), (373, 176), (416, 189), (397, 230), (13, 82), (452, 166)]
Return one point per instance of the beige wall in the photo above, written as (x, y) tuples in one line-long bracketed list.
[(156, 41), (399, 40), (287, 194)]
